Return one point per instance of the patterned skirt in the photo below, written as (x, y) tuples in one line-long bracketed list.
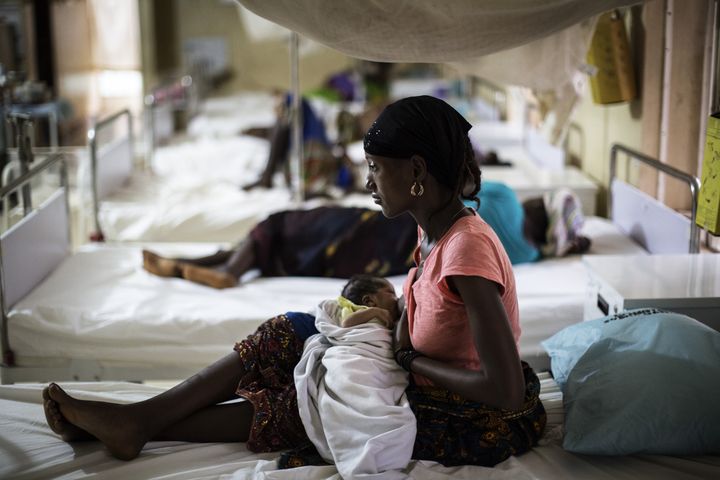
[(269, 356), (454, 431)]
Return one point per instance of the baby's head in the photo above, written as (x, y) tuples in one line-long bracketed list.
[(372, 291)]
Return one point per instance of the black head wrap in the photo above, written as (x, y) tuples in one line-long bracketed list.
[(425, 126)]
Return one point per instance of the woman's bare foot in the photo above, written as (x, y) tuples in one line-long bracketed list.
[(161, 266), (208, 276), (108, 422), (58, 424), (262, 182)]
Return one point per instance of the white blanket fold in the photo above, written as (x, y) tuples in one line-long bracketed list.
[(351, 396)]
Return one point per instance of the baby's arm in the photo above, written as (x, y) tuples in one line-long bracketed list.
[(367, 314)]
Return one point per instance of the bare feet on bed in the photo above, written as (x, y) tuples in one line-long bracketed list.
[(161, 266), (105, 421), (263, 182), (58, 424), (208, 276)]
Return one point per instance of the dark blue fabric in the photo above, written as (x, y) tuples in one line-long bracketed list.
[(303, 324), (313, 126)]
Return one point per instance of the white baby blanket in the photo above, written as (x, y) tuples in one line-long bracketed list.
[(351, 396)]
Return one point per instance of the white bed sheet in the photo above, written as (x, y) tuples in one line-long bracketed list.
[(100, 304), (229, 115), (29, 450), (195, 195), (186, 209), (236, 159)]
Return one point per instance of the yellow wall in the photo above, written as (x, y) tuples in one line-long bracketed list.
[(255, 66), (597, 127), (601, 126)]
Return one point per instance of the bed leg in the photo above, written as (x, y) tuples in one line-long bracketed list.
[(9, 358)]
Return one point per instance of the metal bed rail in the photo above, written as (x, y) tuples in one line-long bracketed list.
[(181, 94), (93, 144), (693, 183), (8, 358)]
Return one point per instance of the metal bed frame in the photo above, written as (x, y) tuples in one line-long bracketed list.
[(94, 147), (70, 369), (693, 183), (8, 357), (166, 99)]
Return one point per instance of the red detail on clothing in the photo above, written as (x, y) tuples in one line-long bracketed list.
[(438, 322)]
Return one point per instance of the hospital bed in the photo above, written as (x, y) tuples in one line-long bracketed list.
[(192, 192), (96, 314), (551, 293), (536, 167), (31, 451)]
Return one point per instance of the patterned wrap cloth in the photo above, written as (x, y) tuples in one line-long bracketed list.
[(334, 241), (455, 431)]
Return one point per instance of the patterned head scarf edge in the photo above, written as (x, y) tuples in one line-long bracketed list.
[(425, 126)]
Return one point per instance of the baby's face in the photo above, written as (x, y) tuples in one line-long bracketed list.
[(385, 298)]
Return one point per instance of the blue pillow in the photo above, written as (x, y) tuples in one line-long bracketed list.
[(642, 381)]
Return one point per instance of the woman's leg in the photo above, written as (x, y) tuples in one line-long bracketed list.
[(188, 411), (226, 274), (277, 157), (172, 267)]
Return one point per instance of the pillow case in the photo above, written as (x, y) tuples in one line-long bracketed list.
[(641, 381)]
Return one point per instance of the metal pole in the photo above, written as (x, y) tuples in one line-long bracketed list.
[(93, 146), (297, 154), (23, 123)]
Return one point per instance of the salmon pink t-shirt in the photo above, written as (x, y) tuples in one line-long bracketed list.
[(437, 319)]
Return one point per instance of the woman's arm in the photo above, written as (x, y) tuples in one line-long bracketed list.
[(401, 333), (500, 382)]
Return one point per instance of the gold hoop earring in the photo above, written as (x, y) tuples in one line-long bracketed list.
[(417, 189)]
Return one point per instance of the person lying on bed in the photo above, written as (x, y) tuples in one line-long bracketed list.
[(344, 241), (321, 170), (321, 242), (347, 376), (541, 227), (457, 336)]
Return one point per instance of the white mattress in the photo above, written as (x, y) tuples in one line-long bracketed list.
[(185, 209), (236, 159), (195, 195), (228, 116), (100, 304), (29, 450)]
